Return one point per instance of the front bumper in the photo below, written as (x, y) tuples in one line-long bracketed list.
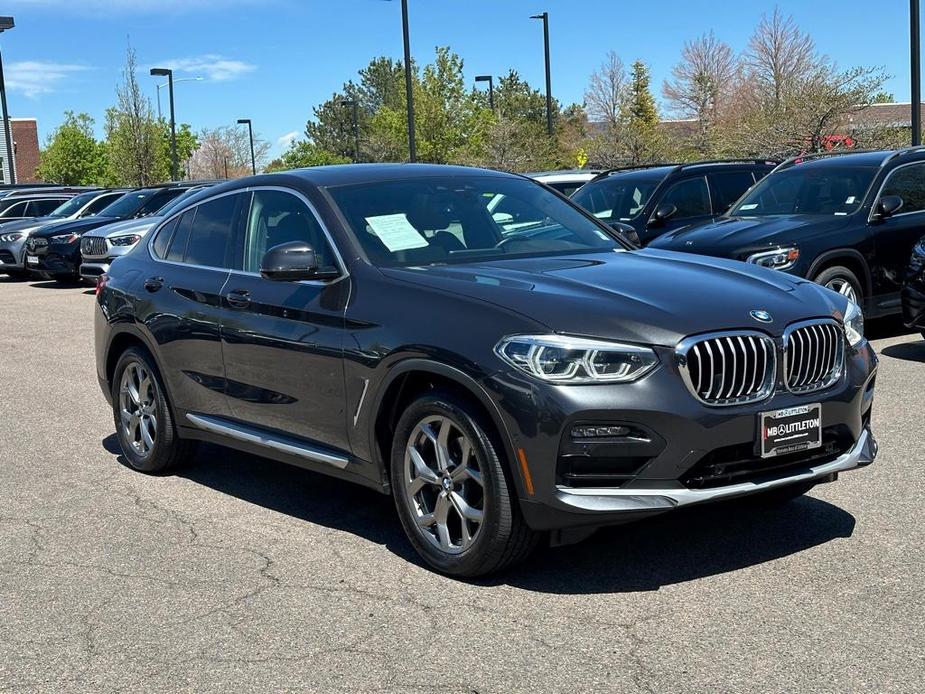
[(12, 255), (913, 305), (681, 442), (58, 260), (93, 269)]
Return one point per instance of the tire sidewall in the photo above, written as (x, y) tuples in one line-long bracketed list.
[(840, 272), (158, 459), (495, 489)]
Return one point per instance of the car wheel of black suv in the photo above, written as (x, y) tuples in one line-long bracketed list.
[(454, 501), (142, 415), (842, 280)]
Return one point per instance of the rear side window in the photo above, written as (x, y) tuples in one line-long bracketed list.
[(210, 240), (16, 210), (161, 241), (40, 208), (691, 197), (728, 186), (908, 182), (176, 251)]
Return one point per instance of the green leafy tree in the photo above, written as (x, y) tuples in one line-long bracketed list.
[(187, 143), (72, 155), (302, 154), (134, 137)]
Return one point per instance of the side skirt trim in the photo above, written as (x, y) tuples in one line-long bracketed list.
[(284, 444)]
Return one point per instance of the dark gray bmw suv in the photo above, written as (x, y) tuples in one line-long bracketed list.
[(377, 323)]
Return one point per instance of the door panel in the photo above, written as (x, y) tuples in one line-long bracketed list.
[(283, 341), (895, 237)]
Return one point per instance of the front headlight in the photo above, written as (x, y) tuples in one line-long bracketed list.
[(854, 324), (129, 240), (564, 359), (64, 238), (778, 259), (9, 238)]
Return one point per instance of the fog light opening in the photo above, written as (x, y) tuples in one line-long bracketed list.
[(590, 431)]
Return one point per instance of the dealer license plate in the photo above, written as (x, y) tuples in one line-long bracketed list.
[(791, 430)]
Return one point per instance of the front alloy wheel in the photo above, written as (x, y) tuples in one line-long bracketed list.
[(443, 484), (455, 500), (843, 287)]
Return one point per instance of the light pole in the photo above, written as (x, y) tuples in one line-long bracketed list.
[(545, 17), (491, 88), (160, 86), (7, 23), (356, 126), (168, 73), (409, 91), (915, 46), (250, 132)]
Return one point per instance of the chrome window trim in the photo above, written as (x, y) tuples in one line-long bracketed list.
[(872, 215), (341, 265), (768, 389), (840, 356)]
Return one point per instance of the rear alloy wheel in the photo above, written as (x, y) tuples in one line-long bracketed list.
[(452, 495), (842, 280), (142, 416)]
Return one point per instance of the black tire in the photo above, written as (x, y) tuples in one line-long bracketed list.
[(837, 274), (503, 537), (783, 495), (168, 449)]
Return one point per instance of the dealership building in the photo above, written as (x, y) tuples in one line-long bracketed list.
[(25, 137)]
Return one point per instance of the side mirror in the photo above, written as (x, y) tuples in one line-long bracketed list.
[(889, 205), (663, 213), (626, 232), (293, 261)]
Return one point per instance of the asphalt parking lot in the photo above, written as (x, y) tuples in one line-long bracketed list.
[(241, 574)]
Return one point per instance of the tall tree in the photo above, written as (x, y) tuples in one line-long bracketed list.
[(134, 137), (780, 56), (607, 91), (72, 156), (702, 85), (301, 154)]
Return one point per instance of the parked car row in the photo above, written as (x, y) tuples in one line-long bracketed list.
[(49, 244)]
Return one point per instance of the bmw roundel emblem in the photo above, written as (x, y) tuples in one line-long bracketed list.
[(761, 316)]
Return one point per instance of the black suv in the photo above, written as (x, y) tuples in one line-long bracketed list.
[(846, 221), (376, 323), (644, 202), (54, 252)]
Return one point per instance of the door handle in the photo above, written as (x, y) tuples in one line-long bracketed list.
[(153, 284), (238, 298)]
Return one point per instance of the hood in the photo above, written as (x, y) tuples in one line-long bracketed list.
[(736, 237), (75, 226), (645, 296), (128, 226), (27, 226)]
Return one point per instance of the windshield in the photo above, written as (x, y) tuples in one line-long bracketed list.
[(73, 205), (617, 198), (807, 190), (448, 219), (140, 203)]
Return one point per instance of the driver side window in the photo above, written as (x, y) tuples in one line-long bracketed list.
[(277, 217), (908, 182), (691, 197)]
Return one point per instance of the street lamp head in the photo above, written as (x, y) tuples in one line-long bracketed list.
[(244, 121), (6, 23), (543, 15), (483, 78), (161, 72)]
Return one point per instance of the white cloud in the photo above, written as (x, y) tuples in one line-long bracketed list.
[(36, 77), (211, 66), (284, 141)]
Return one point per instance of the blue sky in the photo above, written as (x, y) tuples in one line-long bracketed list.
[(272, 60)]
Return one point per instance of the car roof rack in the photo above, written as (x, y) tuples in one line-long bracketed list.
[(680, 166), (915, 149), (797, 158)]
